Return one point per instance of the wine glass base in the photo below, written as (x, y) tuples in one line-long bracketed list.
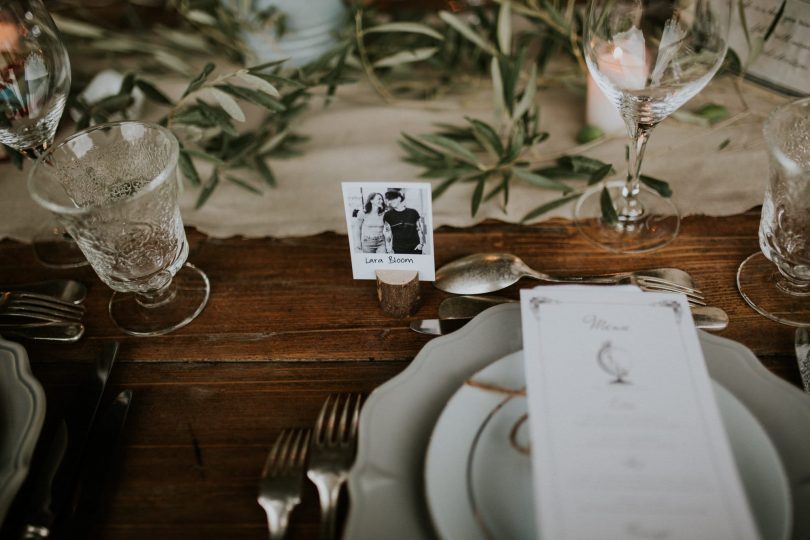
[(656, 227), (190, 289), (55, 249), (757, 281)]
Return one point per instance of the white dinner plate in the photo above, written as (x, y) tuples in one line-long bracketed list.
[(386, 484), (22, 411), (478, 468)]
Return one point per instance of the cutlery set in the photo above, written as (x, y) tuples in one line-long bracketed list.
[(483, 273), (43, 311), (324, 454), (62, 492)]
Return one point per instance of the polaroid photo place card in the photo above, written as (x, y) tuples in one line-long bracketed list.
[(390, 227)]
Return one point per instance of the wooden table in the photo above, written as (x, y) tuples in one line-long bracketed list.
[(285, 326)]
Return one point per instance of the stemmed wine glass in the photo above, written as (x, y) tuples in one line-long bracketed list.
[(114, 188), (34, 85), (649, 57)]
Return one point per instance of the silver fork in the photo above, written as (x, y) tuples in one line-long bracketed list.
[(656, 280), (693, 296), (282, 479), (39, 306), (334, 443)]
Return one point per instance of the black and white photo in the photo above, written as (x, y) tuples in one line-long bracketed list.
[(390, 227)]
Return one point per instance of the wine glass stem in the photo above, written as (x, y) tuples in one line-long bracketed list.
[(34, 152), (630, 208)]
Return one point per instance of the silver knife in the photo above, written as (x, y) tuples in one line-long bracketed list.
[(53, 479), (803, 356), (96, 467), (457, 311)]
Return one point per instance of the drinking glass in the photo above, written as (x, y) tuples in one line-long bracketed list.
[(648, 58), (776, 280), (114, 189), (34, 85)]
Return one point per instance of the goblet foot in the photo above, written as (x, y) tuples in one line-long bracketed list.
[(184, 299), (765, 289), (55, 249), (656, 225)]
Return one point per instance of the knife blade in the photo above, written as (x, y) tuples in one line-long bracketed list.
[(705, 317), (96, 466), (53, 479), (802, 345)]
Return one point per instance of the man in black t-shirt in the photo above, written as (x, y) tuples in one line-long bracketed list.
[(403, 228)]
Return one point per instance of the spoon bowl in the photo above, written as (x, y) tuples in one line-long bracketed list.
[(481, 273)]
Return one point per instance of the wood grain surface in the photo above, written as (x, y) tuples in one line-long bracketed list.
[(285, 326)]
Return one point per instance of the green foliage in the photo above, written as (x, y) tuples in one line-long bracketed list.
[(209, 116)]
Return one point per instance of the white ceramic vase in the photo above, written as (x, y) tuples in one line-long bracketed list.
[(310, 30)]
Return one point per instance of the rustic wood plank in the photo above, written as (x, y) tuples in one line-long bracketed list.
[(286, 325)]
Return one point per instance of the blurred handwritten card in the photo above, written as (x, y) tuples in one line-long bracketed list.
[(390, 227), (627, 440), (774, 38)]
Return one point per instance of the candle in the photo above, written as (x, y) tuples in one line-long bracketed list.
[(623, 64), (600, 112)]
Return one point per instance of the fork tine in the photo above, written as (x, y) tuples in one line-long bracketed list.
[(303, 446), (356, 416), (272, 455), (16, 314), (49, 302), (681, 286), (32, 311), (320, 432), (694, 298), (342, 432)]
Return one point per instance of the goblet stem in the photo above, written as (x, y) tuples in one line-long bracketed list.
[(157, 297), (630, 208), (791, 285)]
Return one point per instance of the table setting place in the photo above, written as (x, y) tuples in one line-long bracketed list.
[(302, 367)]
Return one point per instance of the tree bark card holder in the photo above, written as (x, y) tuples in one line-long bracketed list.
[(390, 227)]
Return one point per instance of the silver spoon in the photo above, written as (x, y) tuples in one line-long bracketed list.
[(483, 273)]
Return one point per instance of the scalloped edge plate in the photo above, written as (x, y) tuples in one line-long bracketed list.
[(22, 412), (386, 484)]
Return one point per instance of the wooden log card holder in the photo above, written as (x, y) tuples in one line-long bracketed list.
[(398, 292)]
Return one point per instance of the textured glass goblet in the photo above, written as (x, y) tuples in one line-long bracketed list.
[(648, 58), (114, 189), (776, 280)]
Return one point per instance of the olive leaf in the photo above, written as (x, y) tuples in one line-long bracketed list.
[(609, 214)]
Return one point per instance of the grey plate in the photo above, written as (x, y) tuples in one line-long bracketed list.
[(22, 411), (386, 484)]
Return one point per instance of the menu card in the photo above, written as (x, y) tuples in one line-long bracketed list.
[(780, 29), (627, 440)]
